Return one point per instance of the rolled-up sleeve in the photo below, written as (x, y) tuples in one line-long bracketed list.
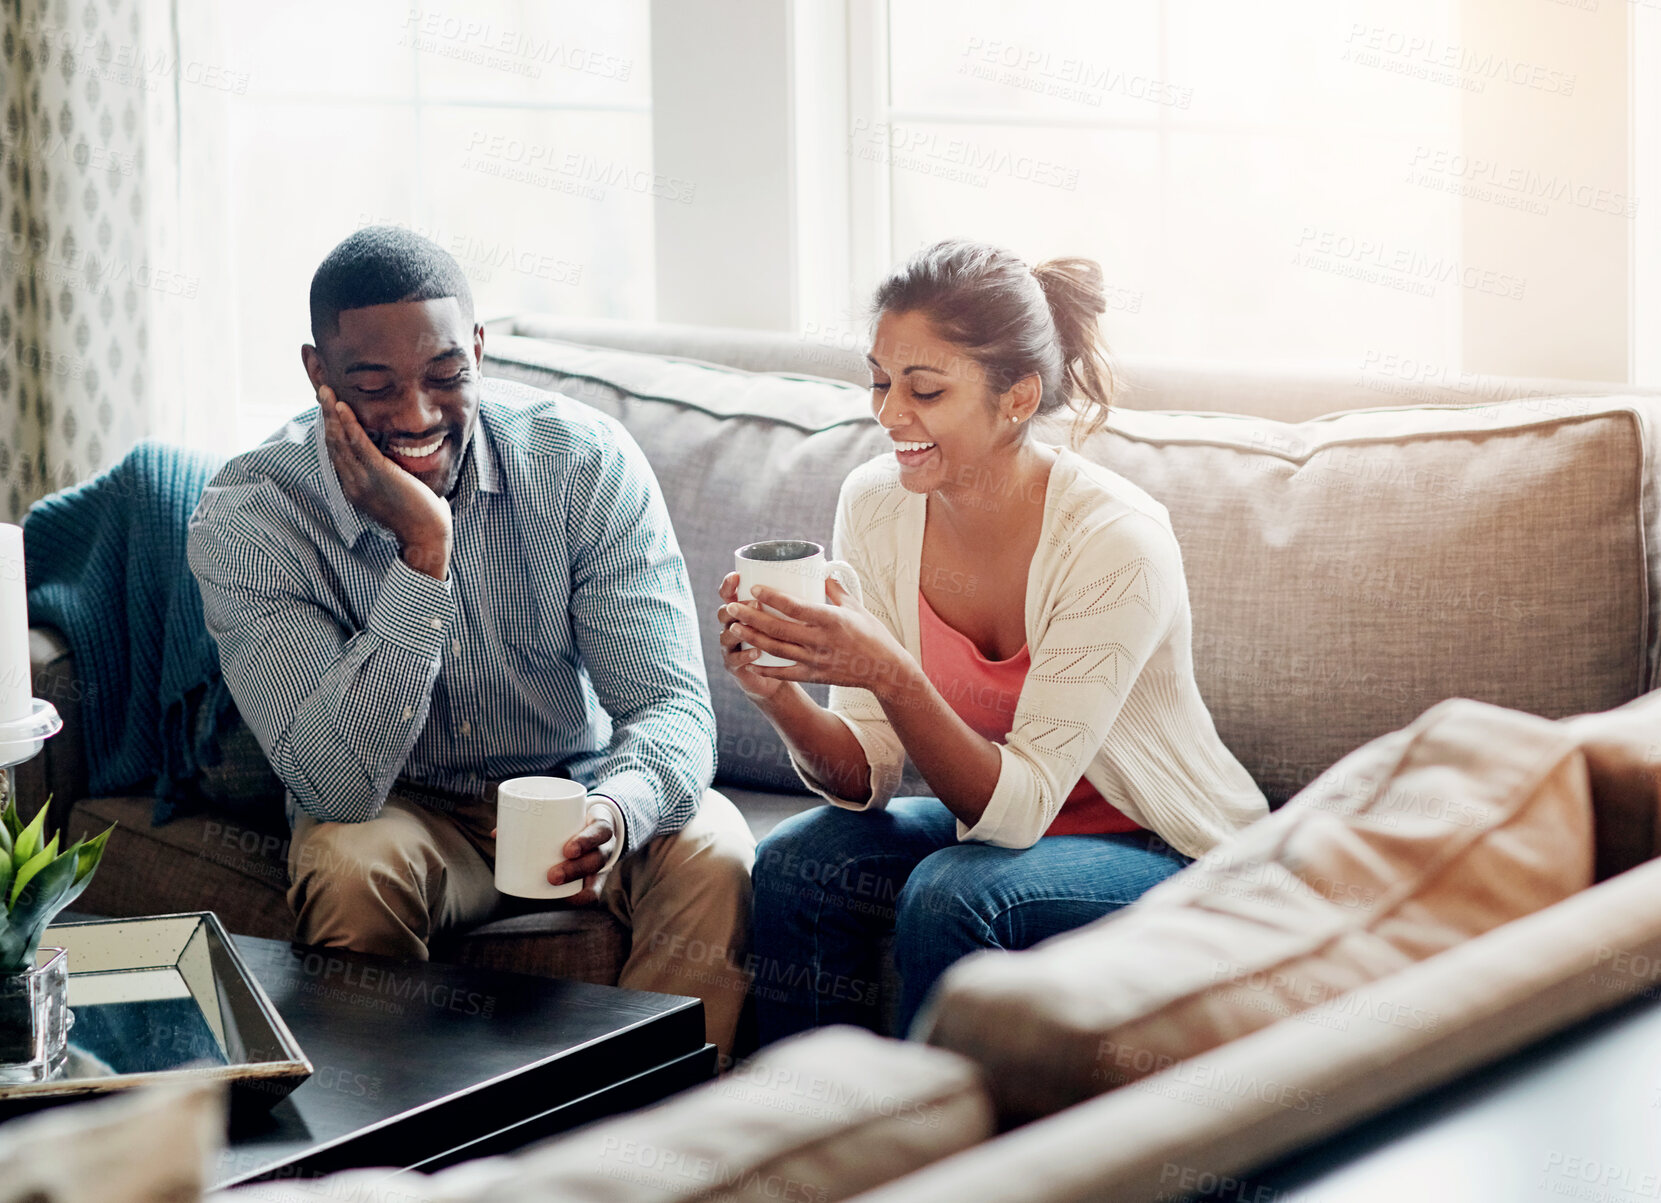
[(335, 710)]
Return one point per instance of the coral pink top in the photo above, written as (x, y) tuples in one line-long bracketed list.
[(983, 693)]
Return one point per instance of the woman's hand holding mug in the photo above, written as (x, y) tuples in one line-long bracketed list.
[(738, 657), (774, 636)]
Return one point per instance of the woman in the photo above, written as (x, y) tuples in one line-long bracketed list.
[(1024, 637)]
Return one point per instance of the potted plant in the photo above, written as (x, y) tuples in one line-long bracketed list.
[(36, 882)]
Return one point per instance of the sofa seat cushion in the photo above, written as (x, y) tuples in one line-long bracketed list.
[(764, 810), (585, 944), (197, 862), (1470, 818), (816, 1119)]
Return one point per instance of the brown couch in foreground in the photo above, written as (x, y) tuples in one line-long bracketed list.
[(827, 1115)]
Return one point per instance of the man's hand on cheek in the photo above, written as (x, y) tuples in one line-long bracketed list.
[(418, 517)]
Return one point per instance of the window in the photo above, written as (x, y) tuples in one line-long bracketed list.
[(1422, 190), (516, 134), (1367, 183)]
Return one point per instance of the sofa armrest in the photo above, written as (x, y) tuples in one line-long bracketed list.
[(60, 771)]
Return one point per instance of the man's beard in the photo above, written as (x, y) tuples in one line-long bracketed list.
[(454, 436)]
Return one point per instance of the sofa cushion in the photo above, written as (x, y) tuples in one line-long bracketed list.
[(765, 810), (740, 456), (1348, 573), (585, 944), (1471, 817), (1345, 572), (817, 1118), (1196, 1128), (197, 862)]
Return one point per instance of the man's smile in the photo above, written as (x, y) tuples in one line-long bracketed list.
[(419, 458)]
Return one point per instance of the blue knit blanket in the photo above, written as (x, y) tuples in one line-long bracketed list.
[(106, 566)]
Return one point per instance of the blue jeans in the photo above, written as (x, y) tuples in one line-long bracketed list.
[(830, 883)]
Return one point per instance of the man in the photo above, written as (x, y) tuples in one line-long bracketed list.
[(433, 582)]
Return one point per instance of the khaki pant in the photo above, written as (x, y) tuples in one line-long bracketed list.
[(420, 867)]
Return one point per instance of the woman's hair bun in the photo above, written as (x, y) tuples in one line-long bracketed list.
[(1077, 297)]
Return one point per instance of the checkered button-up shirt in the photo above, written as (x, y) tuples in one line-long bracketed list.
[(563, 640)]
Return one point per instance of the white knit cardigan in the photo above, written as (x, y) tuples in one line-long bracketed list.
[(1110, 695)]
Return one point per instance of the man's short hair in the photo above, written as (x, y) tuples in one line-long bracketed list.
[(380, 265)]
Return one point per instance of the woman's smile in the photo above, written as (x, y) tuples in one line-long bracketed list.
[(913, 454)]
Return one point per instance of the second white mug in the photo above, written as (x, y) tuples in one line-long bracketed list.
[(794, 567)]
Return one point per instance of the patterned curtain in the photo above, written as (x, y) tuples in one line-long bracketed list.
[(90, 94)]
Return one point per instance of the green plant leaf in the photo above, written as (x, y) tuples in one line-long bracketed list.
[(10, 820), (89, 858), (38, 889), (28, 840), (92, 851), (27, 871), (71, 894), (14, 950), (33, 908), (5, 841)]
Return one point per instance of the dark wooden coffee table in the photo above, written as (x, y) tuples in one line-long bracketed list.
[(420, 1066)]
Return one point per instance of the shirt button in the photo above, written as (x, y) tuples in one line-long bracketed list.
[(466, 727), (409, 713), (455, 646), (438, 624)]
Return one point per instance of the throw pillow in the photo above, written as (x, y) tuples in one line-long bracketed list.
[(1425, 838), (154, 1143)]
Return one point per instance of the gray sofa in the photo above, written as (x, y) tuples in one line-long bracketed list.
[(1490, 539), (743, 457)]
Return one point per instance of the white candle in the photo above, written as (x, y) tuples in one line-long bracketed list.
[(16, 689)]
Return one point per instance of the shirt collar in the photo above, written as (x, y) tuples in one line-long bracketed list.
[(478, 474)]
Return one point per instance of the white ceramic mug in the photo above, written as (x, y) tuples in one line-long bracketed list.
[(535, 816), (795, 568)]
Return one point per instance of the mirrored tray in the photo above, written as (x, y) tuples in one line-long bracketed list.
[(160, 999)]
